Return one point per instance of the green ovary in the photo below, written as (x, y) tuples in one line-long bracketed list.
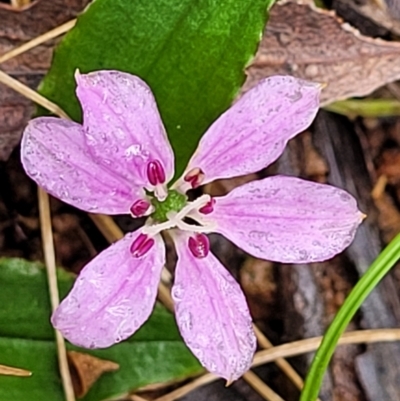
[(174, 202)]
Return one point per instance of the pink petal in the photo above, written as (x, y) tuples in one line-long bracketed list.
[(254, 131), (54, 154), (113, 295), (286, 219), (212, 313), (122, 124)]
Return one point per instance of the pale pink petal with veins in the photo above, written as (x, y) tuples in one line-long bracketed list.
[(113, 295), (212, 313), (123, 127), (287, 219), (55, 155), (254, 131)]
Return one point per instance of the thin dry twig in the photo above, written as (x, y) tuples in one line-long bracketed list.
[(106, 225), (284, 365), (50, 262), (187, 388), (261, 387), (379, 189), (31, 94), (312, 344), (135, 397), (289, 350), (11, 371), (38, 41)]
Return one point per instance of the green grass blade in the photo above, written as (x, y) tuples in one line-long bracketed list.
[(382, 264)]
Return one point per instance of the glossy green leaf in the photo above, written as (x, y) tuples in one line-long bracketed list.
[(192, 53), (379, 268), (25, 305), (154, 354), (37, 356)]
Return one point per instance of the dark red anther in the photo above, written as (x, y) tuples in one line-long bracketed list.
[(140, 207), (199, 245), (141, 245), (208, 207), (155, 172), (195, 177)]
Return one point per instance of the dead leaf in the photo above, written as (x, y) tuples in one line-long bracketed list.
[(10, 371), (86, 369), (17, 28), (371, 12), (314, 44)]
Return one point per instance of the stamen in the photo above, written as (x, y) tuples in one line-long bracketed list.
[(199, 245), (155, 172), (208, 207), (141, 245), (195, 177), (140, 207)]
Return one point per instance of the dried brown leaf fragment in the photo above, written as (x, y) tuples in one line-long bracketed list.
[(86, 370), (314, 44)]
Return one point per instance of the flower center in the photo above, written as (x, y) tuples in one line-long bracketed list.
[(174, 202)]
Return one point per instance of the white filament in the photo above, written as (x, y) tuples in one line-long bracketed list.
[(176, 219)]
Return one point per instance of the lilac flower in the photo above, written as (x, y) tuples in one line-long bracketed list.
[(120, 161)]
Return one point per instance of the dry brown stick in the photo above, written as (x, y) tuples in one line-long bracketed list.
[(312, 344), (260, 386), (38, 41), (47, 236), (50, 262), (135, 397), (11, 371), (284, 365), (187, 388), (31, 94), (163, 293), (288, 350)]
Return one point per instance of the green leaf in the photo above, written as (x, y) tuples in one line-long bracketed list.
[(373, 108), (379, 268), (25, 305), (154, 354), (192, 53)]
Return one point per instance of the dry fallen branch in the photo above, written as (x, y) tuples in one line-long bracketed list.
[(289, 350), (50, 262)]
